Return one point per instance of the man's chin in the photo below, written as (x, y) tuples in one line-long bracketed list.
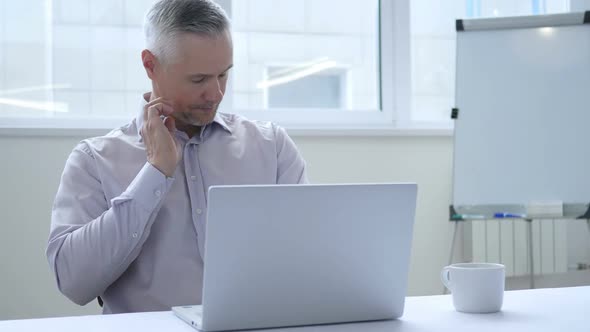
[(193, 121)]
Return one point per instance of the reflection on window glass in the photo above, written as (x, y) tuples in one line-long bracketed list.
[(325, 89), (316, 43)]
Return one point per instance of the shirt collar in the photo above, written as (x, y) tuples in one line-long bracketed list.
[(218, 119)]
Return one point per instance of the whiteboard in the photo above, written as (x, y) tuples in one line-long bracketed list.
[(523, 99)]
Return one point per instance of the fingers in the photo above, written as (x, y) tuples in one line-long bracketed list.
[(170, 123), (165, 108), (152, 118), (157, 110), (158, 100)]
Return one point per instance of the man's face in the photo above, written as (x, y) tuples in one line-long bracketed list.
[(194, 80)]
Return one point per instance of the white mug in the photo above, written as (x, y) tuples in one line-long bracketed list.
[(475, 287)]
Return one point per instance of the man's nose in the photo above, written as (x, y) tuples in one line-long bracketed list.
[(214, 93)]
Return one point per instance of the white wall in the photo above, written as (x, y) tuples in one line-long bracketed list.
[(30, 169)]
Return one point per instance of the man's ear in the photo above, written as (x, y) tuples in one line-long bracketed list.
[(149, 63)]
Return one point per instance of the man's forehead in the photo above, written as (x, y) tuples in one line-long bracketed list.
[(204, 55)]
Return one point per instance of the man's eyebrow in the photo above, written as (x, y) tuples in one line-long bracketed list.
[(228, 68), (199, 75)]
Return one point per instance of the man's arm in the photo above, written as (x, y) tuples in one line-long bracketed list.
[(291, 166), (91, 245)]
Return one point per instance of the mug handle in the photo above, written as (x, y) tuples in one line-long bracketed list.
[(444, 277)]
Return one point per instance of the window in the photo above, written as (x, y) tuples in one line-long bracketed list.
[(77, 62), (71, 63), (302, 63), (300, 56)]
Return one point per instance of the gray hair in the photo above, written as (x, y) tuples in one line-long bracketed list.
[(169, 18)]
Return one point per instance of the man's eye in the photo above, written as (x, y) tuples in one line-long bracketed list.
[(223, 75), (199, 81)]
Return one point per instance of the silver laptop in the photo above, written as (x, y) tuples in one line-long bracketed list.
[(292, 255)]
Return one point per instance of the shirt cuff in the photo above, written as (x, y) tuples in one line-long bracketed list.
[(149, 187)]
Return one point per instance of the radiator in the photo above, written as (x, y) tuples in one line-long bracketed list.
[(505, 241)]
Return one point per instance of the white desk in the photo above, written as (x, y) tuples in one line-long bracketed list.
[(530, 310)]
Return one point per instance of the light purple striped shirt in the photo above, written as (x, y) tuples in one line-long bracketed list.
[(123, 231)]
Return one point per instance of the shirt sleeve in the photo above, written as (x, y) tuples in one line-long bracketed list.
[(290, 163), (91, 244)]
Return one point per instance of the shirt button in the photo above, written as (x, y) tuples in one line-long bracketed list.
[(158, 193), (194, 178), (134, 235), (199, 211)]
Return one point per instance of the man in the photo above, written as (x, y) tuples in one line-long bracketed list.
[(128, 219)]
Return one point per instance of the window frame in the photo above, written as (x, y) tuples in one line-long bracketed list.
[(338, 120)]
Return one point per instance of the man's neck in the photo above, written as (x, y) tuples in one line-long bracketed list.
[(189, 130)]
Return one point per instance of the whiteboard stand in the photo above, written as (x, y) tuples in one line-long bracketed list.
[(530, 246), (453, 241)]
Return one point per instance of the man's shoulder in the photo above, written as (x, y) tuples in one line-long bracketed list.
[(117, 140), (240, 125)]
